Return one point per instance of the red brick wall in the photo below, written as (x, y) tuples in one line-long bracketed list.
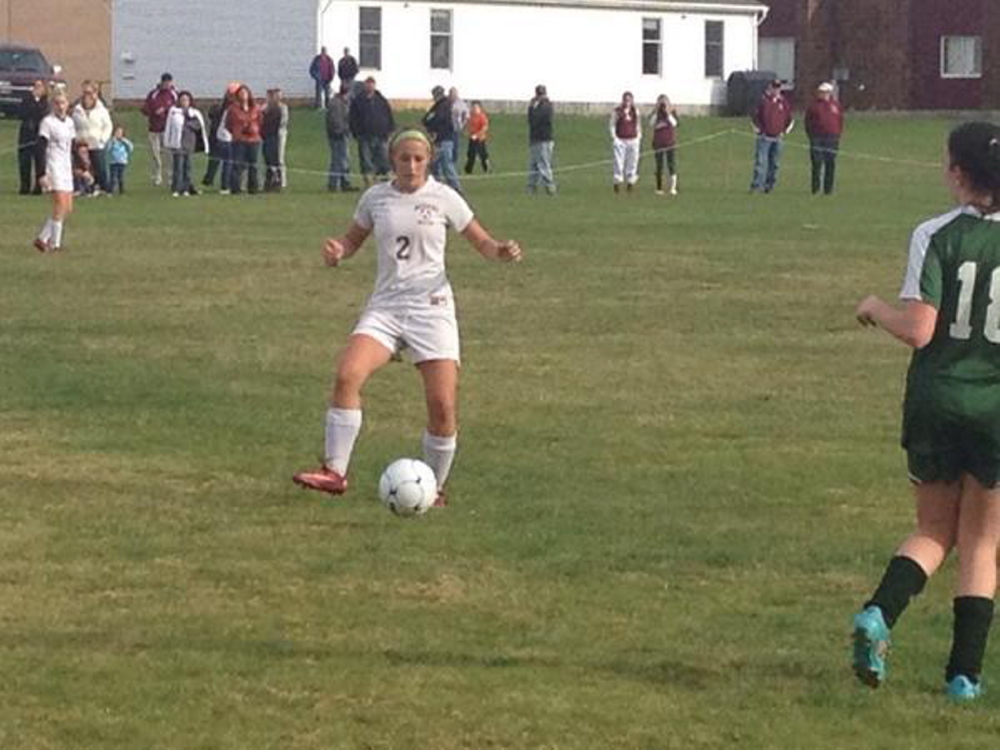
[(932, 19), (872, 40), (782, 18)]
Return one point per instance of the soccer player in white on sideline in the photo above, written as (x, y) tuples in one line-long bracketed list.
[(411, 308), (55, 141), (950, 315)]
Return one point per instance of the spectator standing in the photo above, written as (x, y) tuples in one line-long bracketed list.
[(440, 123), (541, 142), (338, 131), (83, 171), (185, 134), (824, 126), (322, 70), (459, 117), (772, 121), (93, 126), (214, 117), (274, 123), (664, 122), (371, 124), (243, 121), (479, 132), (626, 135), (347, 71), (158, 103), (34, 108), (119, 154)]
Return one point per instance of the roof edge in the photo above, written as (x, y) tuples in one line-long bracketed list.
[(702, 6)]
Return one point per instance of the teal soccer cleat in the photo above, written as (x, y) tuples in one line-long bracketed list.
[(871, 644), (961, 689)]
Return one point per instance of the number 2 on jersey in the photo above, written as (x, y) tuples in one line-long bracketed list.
[(961, 329), (403, 248)]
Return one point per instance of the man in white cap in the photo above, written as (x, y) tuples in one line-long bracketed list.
[(824, 125)]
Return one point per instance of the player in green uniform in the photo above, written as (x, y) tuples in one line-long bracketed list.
[(950, 315)]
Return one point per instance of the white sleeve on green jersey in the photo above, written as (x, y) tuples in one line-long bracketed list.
[(919, 243)]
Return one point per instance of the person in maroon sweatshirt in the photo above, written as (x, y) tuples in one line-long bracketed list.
[(244, 119), (158, 103), (772, 121), (824, 125)]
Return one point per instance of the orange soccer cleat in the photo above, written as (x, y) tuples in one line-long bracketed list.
[(323, 479)]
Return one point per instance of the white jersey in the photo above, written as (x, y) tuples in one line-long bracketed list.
[(59, 154), (410, 231)]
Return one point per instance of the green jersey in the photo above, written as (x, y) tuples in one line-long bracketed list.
[(953, 385)]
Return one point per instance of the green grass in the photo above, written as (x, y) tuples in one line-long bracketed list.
[(678, 473)]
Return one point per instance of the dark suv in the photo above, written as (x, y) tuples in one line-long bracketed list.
[(20, 67)]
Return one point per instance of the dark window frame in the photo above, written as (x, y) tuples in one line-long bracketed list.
[(715, 49), (370, 37)]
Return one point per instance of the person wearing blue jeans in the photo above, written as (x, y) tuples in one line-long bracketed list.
[(338, 131), (767, 161), (443, 166), (772, 121), (440, 123)]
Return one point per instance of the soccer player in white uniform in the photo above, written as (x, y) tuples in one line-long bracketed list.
[(55, 140), (411, 308)]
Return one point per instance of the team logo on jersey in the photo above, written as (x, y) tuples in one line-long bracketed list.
[(426, 214)]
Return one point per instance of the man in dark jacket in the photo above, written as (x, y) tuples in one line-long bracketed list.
[(441, 125), (372, 124), (322, 70), (34, 107), (347, 71), (540, 142), (338, 130), (772, 121), (158, 103)]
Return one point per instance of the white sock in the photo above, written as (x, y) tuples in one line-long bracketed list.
[(342, 428), (439, 452), (56, 233), (673, 183), (46, 234)]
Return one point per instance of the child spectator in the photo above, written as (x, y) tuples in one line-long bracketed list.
[(185, 133), (479, 130), (664, 121), (119, 154), (83, 173)]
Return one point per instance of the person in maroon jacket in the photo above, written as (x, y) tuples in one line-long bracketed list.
[(158, 103), (664, 122), (772, 121), (322, 70), (626, 135), (243, 120), (824, 125)]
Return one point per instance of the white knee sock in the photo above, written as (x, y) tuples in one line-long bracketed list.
[(342, 428), (46, 234), (439, 452), (56, 233)]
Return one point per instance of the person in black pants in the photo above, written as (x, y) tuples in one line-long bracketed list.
[(824, 125), (34, 108)]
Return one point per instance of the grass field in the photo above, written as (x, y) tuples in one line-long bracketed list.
[(678, 472)]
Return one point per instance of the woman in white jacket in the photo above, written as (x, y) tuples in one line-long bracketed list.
[(93, 126), (185, 130)]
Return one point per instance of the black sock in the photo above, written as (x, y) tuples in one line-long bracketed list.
[(973, 615), (903, 579)]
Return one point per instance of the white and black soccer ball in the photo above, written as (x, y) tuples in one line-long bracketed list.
[(408, 487)]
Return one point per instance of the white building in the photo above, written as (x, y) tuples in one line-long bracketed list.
[(585, 51)]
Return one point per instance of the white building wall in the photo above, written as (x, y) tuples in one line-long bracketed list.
[(208, 43), (581, 54)]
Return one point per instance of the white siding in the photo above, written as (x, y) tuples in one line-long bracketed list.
[(208, 43), (581, 54)]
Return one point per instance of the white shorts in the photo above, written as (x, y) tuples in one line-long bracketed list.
[(426, 332), (60, 177)]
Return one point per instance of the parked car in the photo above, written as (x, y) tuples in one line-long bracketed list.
[(20, 67)]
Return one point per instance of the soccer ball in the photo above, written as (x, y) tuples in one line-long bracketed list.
[(408, 487)]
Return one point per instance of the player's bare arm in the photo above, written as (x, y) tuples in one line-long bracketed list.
[(913, 324), (336, 249), (479, 238)]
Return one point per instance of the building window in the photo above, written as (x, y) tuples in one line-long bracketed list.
[(651, 46), (370, 41), (441, 39), (777, 54), (961, 57), (714, 46)]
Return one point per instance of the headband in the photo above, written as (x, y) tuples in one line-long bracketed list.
[(409, 135)]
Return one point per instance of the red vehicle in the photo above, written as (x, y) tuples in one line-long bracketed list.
[(20, 67)]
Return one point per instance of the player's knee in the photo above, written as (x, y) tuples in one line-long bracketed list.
[(348, 381)]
